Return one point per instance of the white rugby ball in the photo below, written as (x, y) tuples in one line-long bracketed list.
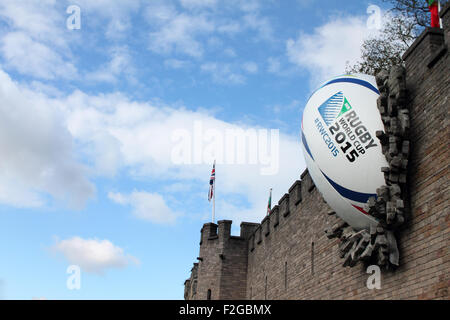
[(342, 152)]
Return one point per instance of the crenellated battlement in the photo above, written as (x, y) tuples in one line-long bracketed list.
[(281, 212), (222, 231)]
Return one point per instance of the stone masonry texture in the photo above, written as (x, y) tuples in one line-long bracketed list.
[(288, 255)]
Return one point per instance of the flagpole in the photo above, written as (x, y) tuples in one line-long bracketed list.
[(439, 11), (214, 201), (214, 194)]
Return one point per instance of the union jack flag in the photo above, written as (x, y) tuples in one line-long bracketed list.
[(211, 182)]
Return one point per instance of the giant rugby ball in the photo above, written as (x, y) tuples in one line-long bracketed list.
[(342, 153)]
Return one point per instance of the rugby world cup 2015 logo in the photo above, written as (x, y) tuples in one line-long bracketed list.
[(334, 107), (331, 109), (343, 131)]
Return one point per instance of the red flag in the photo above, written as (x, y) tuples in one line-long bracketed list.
[(434, 10)]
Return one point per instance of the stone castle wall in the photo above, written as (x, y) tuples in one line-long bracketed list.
[(288, 255)]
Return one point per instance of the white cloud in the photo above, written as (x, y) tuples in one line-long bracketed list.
[(146, 206), (143, 145), (36, 42), (176, 63), (179, 32), (247, 5), (260, 24), (43, 63), (16, 193), (93, 255), (229, 52), (117, 197), (176, 32), (120, 65), (43, 88), (109, 8), (229, 27), (113, 16), (222, 73), (33, 41), (250, 67), (178, 35), (37, 150), (250, 18), (39, 20), (112, 133), (325, 52)]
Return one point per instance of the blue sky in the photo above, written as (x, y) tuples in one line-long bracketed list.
[(89, 120)]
